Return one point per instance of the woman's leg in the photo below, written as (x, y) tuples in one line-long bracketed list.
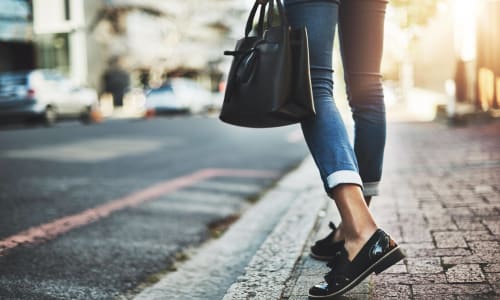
[(366, 248), (325, 133), (361, 32)]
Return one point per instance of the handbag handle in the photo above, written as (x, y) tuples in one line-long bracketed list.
[(260, 26), (241, 55)]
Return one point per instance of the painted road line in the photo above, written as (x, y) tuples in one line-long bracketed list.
[(229, 187), (203, 197), (243, 173), (50, 230), (93, 150), (201, 207)]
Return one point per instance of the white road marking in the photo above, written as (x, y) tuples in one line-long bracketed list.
[(203, 197), (229, 186), (92, 150), (201, 208)]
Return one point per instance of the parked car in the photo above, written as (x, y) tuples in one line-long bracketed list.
[(44, 95), (178, 95)]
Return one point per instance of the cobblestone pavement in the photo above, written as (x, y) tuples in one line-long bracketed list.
[(440, 199)]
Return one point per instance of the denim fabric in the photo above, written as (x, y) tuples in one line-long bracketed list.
[(360, 26)]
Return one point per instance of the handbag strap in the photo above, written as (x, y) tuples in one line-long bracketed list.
[(260, 26), (270, 12)]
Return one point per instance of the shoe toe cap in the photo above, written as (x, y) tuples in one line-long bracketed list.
[(320, 289)]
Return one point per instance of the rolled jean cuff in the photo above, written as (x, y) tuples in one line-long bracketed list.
[(370, 188), (344, 177)]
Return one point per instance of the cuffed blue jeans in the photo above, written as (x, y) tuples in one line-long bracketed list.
[(360, 26)]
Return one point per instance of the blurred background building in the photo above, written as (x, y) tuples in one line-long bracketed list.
[(487, 92), (61, 37), (447, 46), (156, 39), (444, 46), (150, 39), (17, 48)]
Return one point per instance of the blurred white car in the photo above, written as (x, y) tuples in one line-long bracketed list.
[(178, 95), (44, 95)]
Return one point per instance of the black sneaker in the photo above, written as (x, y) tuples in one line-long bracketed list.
[(378, 254), (325, 249)]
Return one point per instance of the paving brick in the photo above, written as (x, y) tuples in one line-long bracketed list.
[(297, 298), (449, 239), (458, 211), (441, 223), (410, 278), (431, 290), (432, 208), (496, 289), (426, 193), (302, 285), (463, 201), (492, 198), (465, 273), (422, 245), (447, 193), (362, 288), (492, 268), (434, 297), (399, 268), (413, 233), (493, 278), (478, 297), (354, 296), (471, 259), (387, 291), (493, 218), (483, 189), (484, 247), (469, 223), (485, 210), (443, 208), (471, 236), (411, 219), (424, 265), (395, 233), (493, 226), (411, 252)]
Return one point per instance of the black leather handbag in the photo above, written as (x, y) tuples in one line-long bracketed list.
[(269, 82)]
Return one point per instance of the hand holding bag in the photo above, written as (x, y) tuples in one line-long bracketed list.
[(269, 83)]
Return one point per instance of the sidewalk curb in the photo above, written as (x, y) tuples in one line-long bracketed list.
[(267, 240), (269, 270)]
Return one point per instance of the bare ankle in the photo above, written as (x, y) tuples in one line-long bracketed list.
[(354, 242), (360, 230), (339, 234)]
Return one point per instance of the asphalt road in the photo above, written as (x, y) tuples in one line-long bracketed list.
[(92, 212)]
